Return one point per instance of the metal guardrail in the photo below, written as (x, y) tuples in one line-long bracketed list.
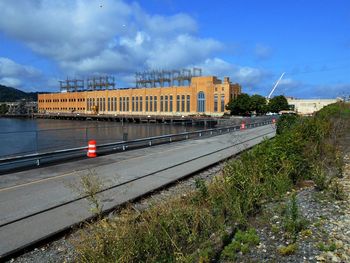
[(39, 158)]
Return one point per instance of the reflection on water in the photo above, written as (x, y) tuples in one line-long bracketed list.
[(19, 136)]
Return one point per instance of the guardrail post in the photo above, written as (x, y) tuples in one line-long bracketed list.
[(150, 143), (125, 136), (211, 132), (170, 140), (123, 147), (37, 162), (186, 136), (200, 134)]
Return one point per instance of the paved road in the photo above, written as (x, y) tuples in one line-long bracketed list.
[(38, 203)]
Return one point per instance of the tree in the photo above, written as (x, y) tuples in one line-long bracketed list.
[(258, 104), (239, 105), (3, 108), (278, 103)]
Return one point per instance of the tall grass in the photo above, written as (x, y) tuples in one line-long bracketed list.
[(192, 228)]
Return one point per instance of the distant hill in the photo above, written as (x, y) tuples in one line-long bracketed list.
[(8, 94)]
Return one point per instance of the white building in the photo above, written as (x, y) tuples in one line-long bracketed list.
[(309, 106)]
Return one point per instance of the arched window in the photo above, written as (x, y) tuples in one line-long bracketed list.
[(201, 102)]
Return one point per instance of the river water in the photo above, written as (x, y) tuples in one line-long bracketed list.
[(24, 136)]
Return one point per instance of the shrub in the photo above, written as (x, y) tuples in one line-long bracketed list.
[(242, 242), (293, 221), (288, 250), (285, 122)]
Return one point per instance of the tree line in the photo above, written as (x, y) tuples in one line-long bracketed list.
[(8, 94), (245, 105)]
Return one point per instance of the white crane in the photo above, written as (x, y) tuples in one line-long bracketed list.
[(278, 81)]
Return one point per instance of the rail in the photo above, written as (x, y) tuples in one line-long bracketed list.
[(36, 159)]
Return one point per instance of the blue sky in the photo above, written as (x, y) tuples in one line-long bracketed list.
[(251, 41)]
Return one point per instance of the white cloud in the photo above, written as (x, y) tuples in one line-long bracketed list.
[(248, 77), (10, 82), (89, 37), (16, 75)]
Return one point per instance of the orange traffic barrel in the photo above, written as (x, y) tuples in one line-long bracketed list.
[(92, 149), (242, 125)]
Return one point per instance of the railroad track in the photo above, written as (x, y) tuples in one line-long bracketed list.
[(43, 221)]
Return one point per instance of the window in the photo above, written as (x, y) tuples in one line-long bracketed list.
[(178, 103), (140, 103), (109, 104), (188, 101), (215, 103), (222, 103), (127, 103), (133, 104), (146, 103), (150, 103), (201, 102), (155, 103), (98, 103), (171, 103), (121, 104), (161, 103), (136, 103), (166, 103), (182, 103)]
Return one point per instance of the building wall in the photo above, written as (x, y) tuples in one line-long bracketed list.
[(115, 101), (309, 106)]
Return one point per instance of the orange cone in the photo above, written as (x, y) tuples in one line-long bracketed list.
[(92, 149)]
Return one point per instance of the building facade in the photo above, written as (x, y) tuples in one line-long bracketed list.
[(205, 95), (309, 106)]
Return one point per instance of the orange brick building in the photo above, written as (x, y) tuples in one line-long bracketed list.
[(205, 95)]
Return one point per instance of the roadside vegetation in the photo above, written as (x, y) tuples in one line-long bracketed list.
[(213, 221)]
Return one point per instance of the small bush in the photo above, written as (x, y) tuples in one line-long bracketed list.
[(319, 177), (294, 222), (285, 122), (336, 190), (288, 250), (324, 247), (242, 242)]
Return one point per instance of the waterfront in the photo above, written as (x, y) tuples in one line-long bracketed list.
[(24, 136)]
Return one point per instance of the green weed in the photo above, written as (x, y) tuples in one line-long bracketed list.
[(288, 250), (242, 242)]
